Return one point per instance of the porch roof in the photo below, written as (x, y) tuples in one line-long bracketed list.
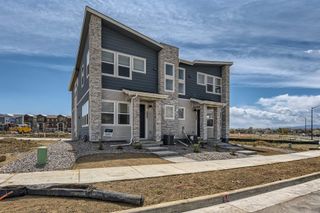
[(147, 95), (209, 103)]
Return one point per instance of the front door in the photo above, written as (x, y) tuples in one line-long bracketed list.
[(142, 121), (198, 123)]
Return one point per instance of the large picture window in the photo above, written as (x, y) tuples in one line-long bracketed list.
[(123, 113), (182, 81), (108, 112), (169, 77), (213, 83)]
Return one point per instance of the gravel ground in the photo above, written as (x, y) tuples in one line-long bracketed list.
[(62, 155)]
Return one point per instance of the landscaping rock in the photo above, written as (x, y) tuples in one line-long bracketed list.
[(2, 158)]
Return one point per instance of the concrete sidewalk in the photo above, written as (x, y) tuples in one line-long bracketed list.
[(145, 171), (270, 201)]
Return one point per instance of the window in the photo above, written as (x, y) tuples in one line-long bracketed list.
[(218, 86), (124, 66), (123, 113), (210, 117), (181, 113), (169, 112), (82, 75), (209, 86), (87, 63), (139, 65), (169, 77), (108, 61), (108, 112), (182, 81), (84, 114), (201, 78)]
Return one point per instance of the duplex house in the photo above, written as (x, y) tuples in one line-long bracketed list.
[(127, 86)]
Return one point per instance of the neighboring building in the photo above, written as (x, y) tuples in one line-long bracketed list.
[(139, 88)]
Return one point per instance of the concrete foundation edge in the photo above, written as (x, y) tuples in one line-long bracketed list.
[(211, 200)]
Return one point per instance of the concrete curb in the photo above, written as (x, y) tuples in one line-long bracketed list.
[(210, 200)]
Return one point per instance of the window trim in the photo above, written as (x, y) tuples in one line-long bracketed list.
[(213, 82), (169, 77), (86, 115), (180, 81), (184, 113), (216, 85), (114, 112), (106, 62), (118, 65), (144, 63), (165, 112), (118, 113), (205, 78)]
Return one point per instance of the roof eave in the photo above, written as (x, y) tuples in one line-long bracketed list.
[(227, 63)]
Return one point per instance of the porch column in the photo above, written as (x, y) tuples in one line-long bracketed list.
[(157, 120), (217, 122), (136, 119), (203, 122)]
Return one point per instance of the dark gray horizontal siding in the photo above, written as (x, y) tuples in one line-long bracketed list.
[(114, 40), (84, 89), (193, 90)]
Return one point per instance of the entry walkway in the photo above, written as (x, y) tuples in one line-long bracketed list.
[(145, 171), (298, 198)]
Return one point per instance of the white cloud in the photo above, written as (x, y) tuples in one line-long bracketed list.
[(315, 52), (282, 110)]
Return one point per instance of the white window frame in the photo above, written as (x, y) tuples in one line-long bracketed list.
[(114, 63), (169, 77), (213, 82), (216, 85), (114, 113), (205, 77), (82, 75), (118, 113), (117, 68), (144, 62), (184, 113), (182, 81), (165, 112), (87, 63), (85, 115)]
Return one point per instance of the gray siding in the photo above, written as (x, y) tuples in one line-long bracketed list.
[(114, 40), (193, 90), (84, 89)]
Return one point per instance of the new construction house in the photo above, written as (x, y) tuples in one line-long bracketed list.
[(128, 86)]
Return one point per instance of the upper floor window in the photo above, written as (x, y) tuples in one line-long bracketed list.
[(169, 112), (169, 77), (82, 75), (218, 86), (124, 66), (182, 81), (139, 64), (209, 84), (87, 63), (108, 62), (121, 65), (201, 78)]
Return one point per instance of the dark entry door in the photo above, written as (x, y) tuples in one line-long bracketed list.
[(198, 123), (142, 121)]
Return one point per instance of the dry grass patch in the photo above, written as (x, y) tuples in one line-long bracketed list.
[(117, 159), (170, 188)]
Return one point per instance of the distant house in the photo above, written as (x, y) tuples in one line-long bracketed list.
[(129, 84)]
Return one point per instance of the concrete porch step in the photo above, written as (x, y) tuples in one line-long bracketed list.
[(165, 153), (156, 148), (150, 143)]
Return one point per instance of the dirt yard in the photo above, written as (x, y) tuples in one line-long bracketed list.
[(117, 159), (170, 188), (10, 147)]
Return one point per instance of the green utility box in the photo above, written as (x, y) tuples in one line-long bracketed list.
[(42, 155)]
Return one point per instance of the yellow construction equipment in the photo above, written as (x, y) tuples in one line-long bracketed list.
[(21, 128)]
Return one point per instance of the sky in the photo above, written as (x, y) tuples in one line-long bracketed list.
[(274, 45)]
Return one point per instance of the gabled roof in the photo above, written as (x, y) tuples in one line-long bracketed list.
[(205, 62), (113, 24)]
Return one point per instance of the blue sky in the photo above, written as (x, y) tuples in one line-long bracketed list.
[(274, 44)]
